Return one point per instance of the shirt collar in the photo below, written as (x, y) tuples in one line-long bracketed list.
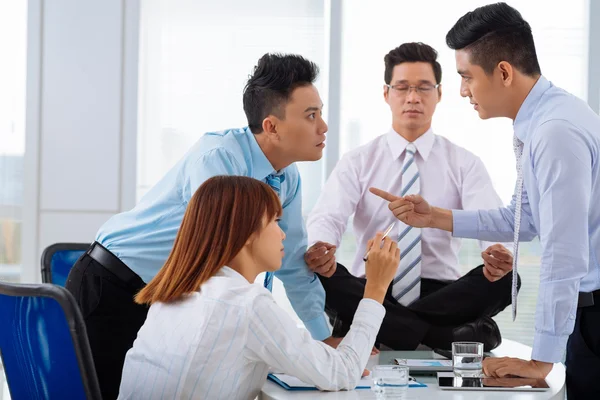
[(525, 114), (398, 144), (231, 273), (261, 165)]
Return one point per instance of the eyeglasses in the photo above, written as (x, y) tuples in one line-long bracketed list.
[(424, 89)]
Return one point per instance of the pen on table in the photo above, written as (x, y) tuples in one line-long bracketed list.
[(387, 232)]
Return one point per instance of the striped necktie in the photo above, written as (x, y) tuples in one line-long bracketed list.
[(407, 283), (518, 147), (275, 182)]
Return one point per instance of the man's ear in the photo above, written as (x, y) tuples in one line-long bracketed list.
[(439, 89), (386, 93), (506, 72), (269, 127)]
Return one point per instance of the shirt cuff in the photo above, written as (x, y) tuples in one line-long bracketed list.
[(370, 311), (549, 348), (465, 224), (318, 327)]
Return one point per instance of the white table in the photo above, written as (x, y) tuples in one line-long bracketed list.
[(556, 381)]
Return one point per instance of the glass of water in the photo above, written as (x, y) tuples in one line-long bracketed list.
[(467, 358), (390, 381)]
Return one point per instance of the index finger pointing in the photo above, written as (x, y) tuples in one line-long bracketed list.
[(383, 194)]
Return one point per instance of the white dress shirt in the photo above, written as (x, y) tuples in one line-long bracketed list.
[(450, 176), (219, 343)]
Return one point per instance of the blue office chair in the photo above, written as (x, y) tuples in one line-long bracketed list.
[(43, 344), (58, 259)]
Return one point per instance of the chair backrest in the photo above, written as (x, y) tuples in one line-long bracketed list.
[(44, 345), (58, 259)]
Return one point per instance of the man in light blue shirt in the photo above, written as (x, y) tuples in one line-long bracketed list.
[(557, 141), (285, 121)]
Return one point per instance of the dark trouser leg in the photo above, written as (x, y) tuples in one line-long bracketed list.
[(583, 355), (465, 300), (112, 318), (443, 305), (401, 328), (430, 286)]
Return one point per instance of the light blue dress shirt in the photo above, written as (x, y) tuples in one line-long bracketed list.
[(561, 199), (143, 237)]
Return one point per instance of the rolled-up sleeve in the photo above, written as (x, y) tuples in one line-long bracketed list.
[(339, 196)]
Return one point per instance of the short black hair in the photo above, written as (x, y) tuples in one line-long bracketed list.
[(412, 52), (272, 82), (494, 33)]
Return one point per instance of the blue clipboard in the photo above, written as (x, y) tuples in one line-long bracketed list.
[(273, 378)]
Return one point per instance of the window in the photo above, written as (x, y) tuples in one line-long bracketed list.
[(370, 31), (13, 19), (195, 58)]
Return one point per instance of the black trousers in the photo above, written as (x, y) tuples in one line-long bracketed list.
[(583, 354), (111, 317), (442, 304)]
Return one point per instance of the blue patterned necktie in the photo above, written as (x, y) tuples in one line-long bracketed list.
[(518, 147), (406, 286), (275, 182)]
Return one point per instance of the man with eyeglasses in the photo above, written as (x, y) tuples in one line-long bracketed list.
[(428, 302)]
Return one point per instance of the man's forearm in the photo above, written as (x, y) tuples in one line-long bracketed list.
[(441, 218)]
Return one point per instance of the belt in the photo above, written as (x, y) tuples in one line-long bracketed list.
[(112, 263), (586, 299)]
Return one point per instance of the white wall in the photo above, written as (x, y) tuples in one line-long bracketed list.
[(81, 118), (80, 159), (594, 56)]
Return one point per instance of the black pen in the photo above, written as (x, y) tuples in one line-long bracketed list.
[(387, 232)]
